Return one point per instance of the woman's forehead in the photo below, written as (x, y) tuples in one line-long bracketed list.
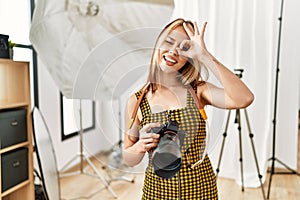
[(178, 34)]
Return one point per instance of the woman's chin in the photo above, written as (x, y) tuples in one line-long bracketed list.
[(167, 69)]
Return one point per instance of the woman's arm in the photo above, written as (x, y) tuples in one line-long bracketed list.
[(234, 93), (137, 142)]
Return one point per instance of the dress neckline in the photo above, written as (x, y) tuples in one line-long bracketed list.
[(173, 109)]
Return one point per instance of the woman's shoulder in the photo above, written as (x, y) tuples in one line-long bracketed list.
[(200, 83), (200, 86), (133, 99), (131, 102)]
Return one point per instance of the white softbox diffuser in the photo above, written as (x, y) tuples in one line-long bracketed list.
[(92, 45)]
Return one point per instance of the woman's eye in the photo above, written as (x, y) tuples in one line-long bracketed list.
[(169, 42)]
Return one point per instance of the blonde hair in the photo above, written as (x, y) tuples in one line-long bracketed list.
[(188, 74)]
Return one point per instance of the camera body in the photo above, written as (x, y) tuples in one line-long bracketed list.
[(239, 72), (170, 128), (167, 158)]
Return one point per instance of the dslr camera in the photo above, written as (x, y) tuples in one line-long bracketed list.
[(166, 157)]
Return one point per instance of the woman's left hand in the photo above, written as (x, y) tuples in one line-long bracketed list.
[(194, 48)]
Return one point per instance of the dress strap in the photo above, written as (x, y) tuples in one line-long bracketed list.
[(197, 101)]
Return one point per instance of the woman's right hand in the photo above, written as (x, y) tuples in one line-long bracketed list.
[(148, 140)]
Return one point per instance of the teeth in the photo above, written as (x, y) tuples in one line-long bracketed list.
[(170, 60)]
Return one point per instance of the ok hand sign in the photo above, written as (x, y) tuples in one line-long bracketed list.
[(194, 48)]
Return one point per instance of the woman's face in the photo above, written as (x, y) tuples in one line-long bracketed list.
[(169, 60)]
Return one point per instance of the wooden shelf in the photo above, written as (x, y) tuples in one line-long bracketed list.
[(6, 105), (14, 77), (13, 147), (15, 94), (15, 188)]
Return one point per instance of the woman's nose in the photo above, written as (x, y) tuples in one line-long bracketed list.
[(173, 50)]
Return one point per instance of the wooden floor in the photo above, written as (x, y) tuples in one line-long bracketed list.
[(81, 187), (284, 187)]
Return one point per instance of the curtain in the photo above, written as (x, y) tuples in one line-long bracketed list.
[(244, 34)]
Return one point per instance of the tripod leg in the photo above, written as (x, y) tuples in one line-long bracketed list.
[(272, 172), (271, 175), (223, 143), (238, 121), (254, 153), (65, 167), (287, 167), (99, 176)]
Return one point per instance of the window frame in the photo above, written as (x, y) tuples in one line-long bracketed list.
[(65, 136)]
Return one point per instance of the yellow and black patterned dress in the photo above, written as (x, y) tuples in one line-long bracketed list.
[(198, 183)]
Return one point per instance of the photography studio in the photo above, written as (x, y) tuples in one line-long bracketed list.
[(149, 99)]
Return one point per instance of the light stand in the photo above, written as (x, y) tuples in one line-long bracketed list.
[(273, 158), (116, 152), (251, 135), (82, 155)]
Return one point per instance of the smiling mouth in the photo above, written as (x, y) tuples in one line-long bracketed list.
[(169, 60)]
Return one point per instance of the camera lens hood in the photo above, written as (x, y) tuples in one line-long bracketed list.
[(167, 158)]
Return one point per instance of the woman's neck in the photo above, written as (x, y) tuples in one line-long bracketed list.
[(169, 80)]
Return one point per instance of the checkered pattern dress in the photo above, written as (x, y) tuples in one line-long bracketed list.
[(198, 183)]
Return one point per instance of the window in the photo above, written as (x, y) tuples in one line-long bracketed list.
[(70, 116)]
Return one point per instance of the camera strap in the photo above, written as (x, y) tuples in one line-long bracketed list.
[(145, 90), (137, 105)]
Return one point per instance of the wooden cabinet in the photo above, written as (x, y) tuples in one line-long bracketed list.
[(15, 95)]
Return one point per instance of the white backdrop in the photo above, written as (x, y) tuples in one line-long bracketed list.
[(241, 35), (244, 34)]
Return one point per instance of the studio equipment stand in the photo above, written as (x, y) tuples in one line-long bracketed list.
[(237, 121), (115, 159), (273, 158), (83, 156)]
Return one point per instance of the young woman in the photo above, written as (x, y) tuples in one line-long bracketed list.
[(176, 90)]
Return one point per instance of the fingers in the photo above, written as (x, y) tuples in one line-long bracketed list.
[(151, 139), (148, 147), (203, 29), (147, 139), (184, 47), (195, 45), (188, 30), (196, 30), (147, 127)]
